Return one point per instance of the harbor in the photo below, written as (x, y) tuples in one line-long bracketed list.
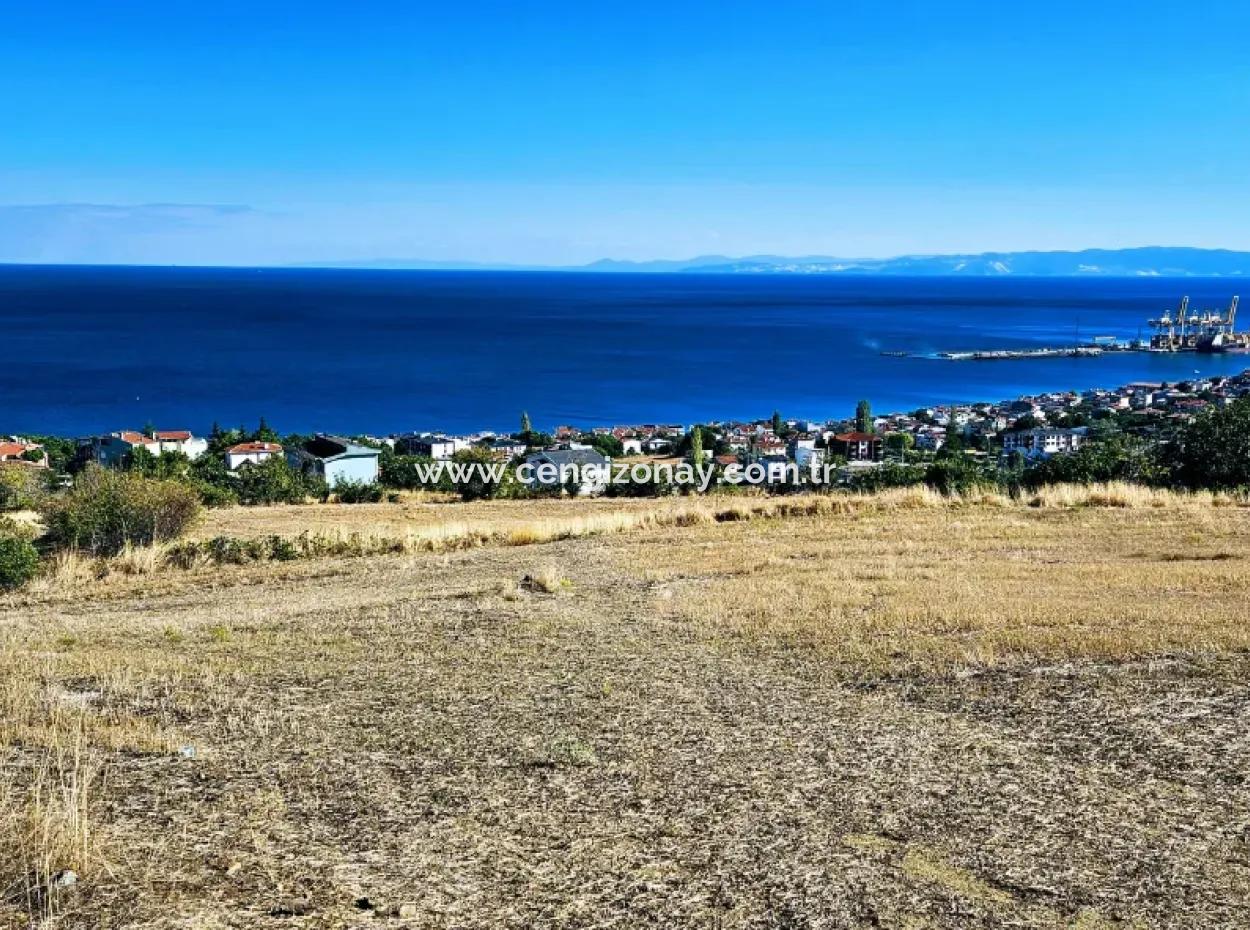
[(1211, 331)]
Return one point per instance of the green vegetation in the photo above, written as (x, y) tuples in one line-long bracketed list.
[(863, 417), (19, 559), (108, 510)]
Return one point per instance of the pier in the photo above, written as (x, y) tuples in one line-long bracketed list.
[(1180, 331)]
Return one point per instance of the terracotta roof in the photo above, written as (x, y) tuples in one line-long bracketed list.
[(173, 434), (135, 439), (14, 448), (255, 447), (857, 437)]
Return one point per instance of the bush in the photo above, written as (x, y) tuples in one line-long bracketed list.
[(21, 487), (357, 492), (19, 560), (105, 510), (270, 482)]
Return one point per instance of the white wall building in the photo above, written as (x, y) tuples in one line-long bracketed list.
[(253, 452)]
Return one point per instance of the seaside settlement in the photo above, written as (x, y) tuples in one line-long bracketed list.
[(1024, 430)]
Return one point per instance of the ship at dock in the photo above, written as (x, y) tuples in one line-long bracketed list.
[(1208, 331)]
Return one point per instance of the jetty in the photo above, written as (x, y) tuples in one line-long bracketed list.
[(1178, 331)]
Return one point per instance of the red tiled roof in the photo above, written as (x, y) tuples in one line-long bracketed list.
[(14, 448), (173, 434), (244, 447), (856, 437), (135, 439)]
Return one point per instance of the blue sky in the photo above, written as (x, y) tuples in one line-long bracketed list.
[(259, 133)]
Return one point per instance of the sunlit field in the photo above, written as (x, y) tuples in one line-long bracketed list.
[(903, 710)]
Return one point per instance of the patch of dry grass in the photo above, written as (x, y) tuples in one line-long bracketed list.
[(938, 588), (905, 709)]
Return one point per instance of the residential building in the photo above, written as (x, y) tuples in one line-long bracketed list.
[(557, 467), (114, 450), (179, 440), (1043, 442), (253, 452), (22, 452), (430, 445), (856, 447), (509, 448), (336, 459)]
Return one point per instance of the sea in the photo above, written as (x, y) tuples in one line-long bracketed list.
[(88, 349)]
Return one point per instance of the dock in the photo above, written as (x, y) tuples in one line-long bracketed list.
[(1179, 331)]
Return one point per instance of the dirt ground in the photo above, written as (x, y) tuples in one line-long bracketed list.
[(643, 734)]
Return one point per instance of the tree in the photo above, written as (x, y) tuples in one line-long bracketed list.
[(1114, 458), (863, 417), (899, 442), (696, 446), (526, 425), (954, 435), (604, 443), (778, 424), (264, 433), (270, 482), (1214, 450), (481, 482)]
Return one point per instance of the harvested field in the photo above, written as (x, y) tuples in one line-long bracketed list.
[(987, 714)]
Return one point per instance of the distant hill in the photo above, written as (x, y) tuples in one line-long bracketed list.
[(1149, 261), (1159, 261)]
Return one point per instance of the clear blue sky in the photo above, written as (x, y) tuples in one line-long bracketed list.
[(564, 132)]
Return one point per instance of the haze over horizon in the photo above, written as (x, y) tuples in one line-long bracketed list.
[(311, 133)]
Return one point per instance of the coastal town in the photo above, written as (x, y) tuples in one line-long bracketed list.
[(1024, 429)]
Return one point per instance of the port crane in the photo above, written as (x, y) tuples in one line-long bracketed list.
[(1209, 331)]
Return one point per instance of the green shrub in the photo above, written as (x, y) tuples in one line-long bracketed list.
[(282, 550), (105, 510), (21, 487), (214, 495), (357, 492), (19, 560)]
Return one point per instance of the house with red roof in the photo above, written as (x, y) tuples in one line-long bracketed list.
[(21, 452), (856, 446), (253, 452), (115, 449)]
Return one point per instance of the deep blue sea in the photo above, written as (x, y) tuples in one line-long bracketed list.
[(88, 349)]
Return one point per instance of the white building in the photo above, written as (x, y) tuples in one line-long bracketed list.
[(180, 440), (587, 469), (1043, 442), (254, 452)]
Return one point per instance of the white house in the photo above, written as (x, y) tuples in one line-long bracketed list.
[(115, 448), (807, 457), (180, 440), (337, 460), (431, 446), (254, 452), (557, 467), (631, 446), (1044, 442), (507, 447)]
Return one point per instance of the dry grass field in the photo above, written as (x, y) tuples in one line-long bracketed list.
[(900, 712)]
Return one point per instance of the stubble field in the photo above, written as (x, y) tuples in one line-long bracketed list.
[(914, 714)]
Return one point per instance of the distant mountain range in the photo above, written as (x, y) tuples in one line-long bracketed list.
[(1149, 261)]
